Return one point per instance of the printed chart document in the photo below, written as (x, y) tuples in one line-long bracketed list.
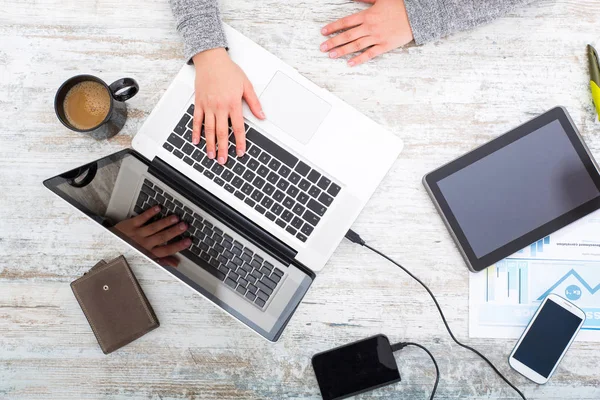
[(504, 297)]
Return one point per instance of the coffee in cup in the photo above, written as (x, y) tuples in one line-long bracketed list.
[(86, 104)]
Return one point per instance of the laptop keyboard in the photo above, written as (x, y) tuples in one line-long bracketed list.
[(240, 268), (267, 178)]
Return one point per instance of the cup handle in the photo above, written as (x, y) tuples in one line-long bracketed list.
[(124, 89)]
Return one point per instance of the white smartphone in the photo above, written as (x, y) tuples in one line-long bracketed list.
[(546, 339)]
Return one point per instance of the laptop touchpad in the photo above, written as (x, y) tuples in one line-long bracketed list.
[(293, 108)]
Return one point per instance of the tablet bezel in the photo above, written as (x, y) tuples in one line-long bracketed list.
[(431, 180)]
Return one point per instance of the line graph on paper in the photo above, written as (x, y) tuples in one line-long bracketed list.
[(525, 282), (504, 297)]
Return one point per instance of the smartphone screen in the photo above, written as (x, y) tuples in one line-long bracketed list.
[(356, 368), (547, 338)]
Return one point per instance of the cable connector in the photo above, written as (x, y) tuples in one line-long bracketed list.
[(398, 346), (354, 237)]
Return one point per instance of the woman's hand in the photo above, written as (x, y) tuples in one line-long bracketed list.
[(220, 87), (381, 28), (153, 237)]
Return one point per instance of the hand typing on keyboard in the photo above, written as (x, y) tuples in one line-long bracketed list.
[(220, 87), (153, 236)]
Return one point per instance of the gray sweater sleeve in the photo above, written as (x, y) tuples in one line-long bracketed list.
[(432, 19), (199, 23)]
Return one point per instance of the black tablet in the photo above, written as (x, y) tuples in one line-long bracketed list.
[(516, 189)]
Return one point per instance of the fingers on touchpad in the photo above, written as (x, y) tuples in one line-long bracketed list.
[(293, 108)]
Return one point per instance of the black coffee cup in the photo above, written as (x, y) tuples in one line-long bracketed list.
[(119, 91)]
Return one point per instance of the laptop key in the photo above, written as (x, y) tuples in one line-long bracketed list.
[(288, 202), (273, 177), (188, 135), (311, 218), (260, 209), (198, 155), (293, 191), (230, 162), (253, 164), (279, 195), (304, 185), (188, 149), (198, 167), (254, 151), (259, 182), (316, 207), (241, 290), (262, 171), (291, 230), (250, 202), (302, 198), (275, 278), (233, 275), (190, 109), (250, 296), (244, 159), (267, 202), (283, 184), (294, 178), (175, 140), (239, 195), (297, 223), (146, 189), (268, 282), (274, 164), (257, 195), (188, 160), (208, 174), (264, 158), (298, 209), (301, 237), (306, 229), (217, 168), (264, 287), (280, 222), (277, 209), (302, 168), (270, 216), (269, 189), (138, 210), (229, 188), (227, 175), (284, 171), (314, 191), (239, 169), (249, 175), (207, 162), (237, 182), (333, 189), (326, 199), (259, 302), (287, 216), (231, 283), (167, 146), (323, 182), (268, 266), (313, 176), (247, 189), (178, 153)]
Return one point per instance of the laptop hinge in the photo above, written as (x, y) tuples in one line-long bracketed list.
[(221, 211)]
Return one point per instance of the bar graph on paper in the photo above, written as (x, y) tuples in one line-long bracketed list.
[(504, 297)]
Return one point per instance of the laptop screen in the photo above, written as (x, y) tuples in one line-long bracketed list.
[(99, 189)]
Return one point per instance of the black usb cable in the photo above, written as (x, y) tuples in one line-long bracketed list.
[(355, 238), (400, 346)]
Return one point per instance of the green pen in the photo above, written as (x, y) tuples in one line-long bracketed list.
[(594, 76)]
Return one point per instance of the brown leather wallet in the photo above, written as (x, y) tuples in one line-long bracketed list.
[(114, 304)]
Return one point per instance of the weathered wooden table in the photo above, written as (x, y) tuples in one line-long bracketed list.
[(442, 99)]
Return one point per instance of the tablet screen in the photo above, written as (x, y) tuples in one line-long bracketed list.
[(518, 188)]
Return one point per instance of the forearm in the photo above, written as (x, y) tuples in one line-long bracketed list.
[(432, 19), (199, 23)]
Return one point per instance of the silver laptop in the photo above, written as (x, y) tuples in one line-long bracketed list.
[(261, 224)]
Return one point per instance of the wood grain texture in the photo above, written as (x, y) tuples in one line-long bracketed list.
[(442, 99)]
